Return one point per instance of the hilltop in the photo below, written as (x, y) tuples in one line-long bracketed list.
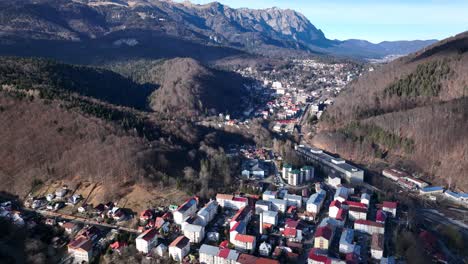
[(412, 112)]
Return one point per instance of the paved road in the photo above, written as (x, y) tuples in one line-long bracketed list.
[(82, 220)]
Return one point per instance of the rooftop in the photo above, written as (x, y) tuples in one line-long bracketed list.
[(148, 234), (391, 205), (180, 242)]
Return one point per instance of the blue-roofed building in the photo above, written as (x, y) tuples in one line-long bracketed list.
[(315, 202), (431, 190)]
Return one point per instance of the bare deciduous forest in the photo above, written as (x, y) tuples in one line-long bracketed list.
[(413, 111)]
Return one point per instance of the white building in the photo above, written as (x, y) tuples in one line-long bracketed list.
[(377, 246), (195, 233), (315, 202), (262, 206), (390, 208), (81, 249), (365, 199), (308, 173), (268, 195), (294, 177), (334, 181), (332, 165), (293, 200), (431, 190), (356, 213), (214, 255), (286, 170), (270, 217), (231, 202), (147, 240), (184, 211), (369, 227), (207, 213), (334, 208), (179, 248), (244, 243), (278, 205)]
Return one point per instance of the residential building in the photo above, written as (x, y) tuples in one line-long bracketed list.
[(369, 227), (264, 249), (380, 216), (323, 237), (249, 259), (262, 206), (224, 199), (341, 194), (231, 202), (179, 248), (268, 195), (291, 231), (356, 213), (70, 227), (365, 199), (207, 213), (377, 246), (278, 205), (346, 241), (147, 240), (307, 173), (254, 168), (335, 206), (294, 177), (334, 181), (81, 248), (286, 170), (315, 202), (270, 217), (195, 233), (215, 255), (186, 210), (390, 208), (293, 200), (244, 243)]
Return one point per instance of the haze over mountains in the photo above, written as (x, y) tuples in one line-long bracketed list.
[(161, 29)]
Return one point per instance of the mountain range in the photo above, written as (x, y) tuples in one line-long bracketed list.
[(98, 29)]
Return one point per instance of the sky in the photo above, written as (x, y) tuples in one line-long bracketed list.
[(374, 20)]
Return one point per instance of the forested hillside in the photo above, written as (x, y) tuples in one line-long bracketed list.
[(412, 112), (91, 129)]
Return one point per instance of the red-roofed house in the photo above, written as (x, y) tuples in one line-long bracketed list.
[(245, 243), (380, 217), (117, 246), (316, 256), (323, 237), (390, 207), (342, 215), (335, 206), (146, 215)]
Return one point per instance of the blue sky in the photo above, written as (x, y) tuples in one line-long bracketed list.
[(375, 20)]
